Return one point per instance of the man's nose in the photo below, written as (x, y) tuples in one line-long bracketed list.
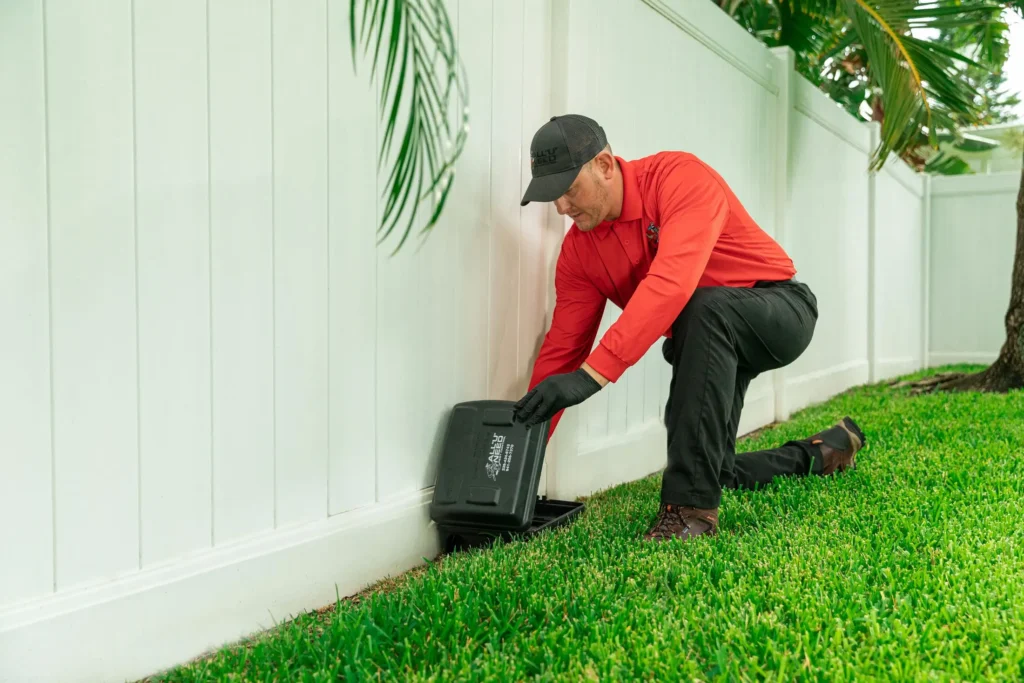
[(562, 206)]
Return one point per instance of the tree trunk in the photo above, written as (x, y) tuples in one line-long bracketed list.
[(1008, 371)]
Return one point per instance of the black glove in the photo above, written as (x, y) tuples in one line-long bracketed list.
[(554, 394)]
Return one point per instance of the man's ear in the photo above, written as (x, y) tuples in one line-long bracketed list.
[(604, 165)]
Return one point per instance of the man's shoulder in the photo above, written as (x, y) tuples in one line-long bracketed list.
[(664, 171), (666, 156), (667, 161)]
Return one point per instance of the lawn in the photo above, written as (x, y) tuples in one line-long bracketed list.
[(909, 568)]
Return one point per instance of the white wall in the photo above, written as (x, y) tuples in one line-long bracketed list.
[(222, 403), (973, 232)]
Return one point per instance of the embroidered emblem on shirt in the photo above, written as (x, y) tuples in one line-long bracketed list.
[(652, 234)]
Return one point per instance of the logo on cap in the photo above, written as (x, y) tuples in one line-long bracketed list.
[(559, 149), (543, 157)]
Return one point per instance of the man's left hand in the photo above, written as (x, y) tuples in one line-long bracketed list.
[(554, 394)]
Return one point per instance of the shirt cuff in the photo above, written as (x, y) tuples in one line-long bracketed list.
[(607, 363)]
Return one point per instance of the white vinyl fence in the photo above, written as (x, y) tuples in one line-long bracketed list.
[(973, 229), (221, 403)]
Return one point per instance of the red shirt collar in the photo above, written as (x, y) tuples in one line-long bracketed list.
[(632, 205)]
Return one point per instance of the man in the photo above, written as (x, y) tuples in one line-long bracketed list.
[(666, 240)]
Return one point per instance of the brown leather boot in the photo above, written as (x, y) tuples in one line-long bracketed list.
[(678, 521), (839, 445)]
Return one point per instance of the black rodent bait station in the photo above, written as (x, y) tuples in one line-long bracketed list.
[(488, 476)]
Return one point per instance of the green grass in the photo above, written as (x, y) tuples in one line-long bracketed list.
[(909, 568)]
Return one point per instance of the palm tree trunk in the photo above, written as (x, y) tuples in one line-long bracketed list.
[(1007, 372)]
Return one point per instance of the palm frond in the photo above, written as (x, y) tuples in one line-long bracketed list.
[(914, 74), (423, 76), (808, 33), (917, 66), (841, 41), (905, 110), (944, 164)]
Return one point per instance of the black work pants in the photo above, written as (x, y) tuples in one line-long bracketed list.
[(724, 338)]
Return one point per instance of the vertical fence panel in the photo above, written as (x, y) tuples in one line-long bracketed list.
[(26, 501), (505, 253), (470, 205), (242, 246), (657, 374), (636, 393), (618, 401), (971, 260), (785, 60), (897, 266), (926, 275), (172, 167), (353, 272), (872, 261), (439, 296), (595, 410), (91, 158), (300, 259)]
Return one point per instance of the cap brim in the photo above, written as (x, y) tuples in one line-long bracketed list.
[(548, 188)]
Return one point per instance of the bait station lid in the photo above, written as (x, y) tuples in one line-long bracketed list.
[(489, 473)]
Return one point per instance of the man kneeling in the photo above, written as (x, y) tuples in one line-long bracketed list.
[(666, 240)]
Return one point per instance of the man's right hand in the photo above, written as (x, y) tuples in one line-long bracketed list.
[(555, 393)]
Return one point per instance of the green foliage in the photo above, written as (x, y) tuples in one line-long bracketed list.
[(422, 72), (1014, 141), (918, 67), (989, 45), (907, 568), (944, 164)]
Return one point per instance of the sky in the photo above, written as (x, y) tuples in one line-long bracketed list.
[(1014, 67)]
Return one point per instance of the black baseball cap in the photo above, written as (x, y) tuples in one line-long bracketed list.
[(559, 150)]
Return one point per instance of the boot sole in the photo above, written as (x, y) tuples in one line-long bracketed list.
[(852, 426)]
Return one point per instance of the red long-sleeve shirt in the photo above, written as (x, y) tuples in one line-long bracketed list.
[(680, 227)]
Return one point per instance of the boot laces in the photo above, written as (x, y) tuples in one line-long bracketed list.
[(670, 519)]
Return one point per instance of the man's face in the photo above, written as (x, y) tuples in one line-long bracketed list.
[(587, 201)]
